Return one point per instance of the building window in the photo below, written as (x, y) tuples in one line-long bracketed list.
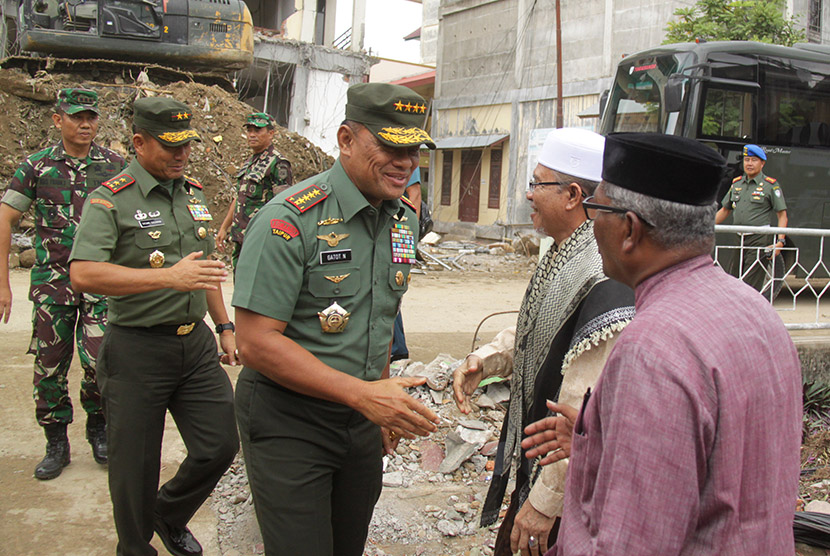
[(446, 179), (494, 193), (814, 21)]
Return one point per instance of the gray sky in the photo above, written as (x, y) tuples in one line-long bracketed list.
[(387, 22)]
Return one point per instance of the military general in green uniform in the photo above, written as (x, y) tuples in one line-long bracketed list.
[(57, 181), (754, 198), (143, 241), (265, 174), (317, 289)]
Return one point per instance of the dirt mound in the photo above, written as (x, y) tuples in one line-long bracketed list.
[(218, 116)]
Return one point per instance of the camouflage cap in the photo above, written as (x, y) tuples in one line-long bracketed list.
[(166, 119), (259, 119), (73, 101), (393, 113)]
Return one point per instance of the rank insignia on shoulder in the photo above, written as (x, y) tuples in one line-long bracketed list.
[(407, 202), (286, 230), (307, 198), (193, 181), (103, 202), (118, 183), (771, 180), (737, 179)]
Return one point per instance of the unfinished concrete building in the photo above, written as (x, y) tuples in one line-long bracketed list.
[(496, 92)]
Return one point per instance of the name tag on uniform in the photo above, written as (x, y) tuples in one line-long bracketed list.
[(151, 223), (328, 257)]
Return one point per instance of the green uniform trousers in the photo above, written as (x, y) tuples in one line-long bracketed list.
[(55, 328), (143, 372), (314, 468), (754, 264)]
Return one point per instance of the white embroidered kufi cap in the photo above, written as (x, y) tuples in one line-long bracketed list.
[(574, 151)]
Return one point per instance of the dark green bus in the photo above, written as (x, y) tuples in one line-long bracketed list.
[(727, 94)]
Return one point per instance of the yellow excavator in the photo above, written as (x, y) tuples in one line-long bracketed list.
[(188, 35)]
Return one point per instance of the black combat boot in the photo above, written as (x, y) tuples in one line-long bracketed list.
[(96, 433), (57, 452)]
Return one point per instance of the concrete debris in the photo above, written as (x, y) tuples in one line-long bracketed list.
[(458, 450), (819, 506), (498, 392), (431, 239), (433, 487)]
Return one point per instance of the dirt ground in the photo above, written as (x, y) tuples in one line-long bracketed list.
[(71, 515)]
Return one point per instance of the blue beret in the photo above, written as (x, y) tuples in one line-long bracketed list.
[(755, 150)]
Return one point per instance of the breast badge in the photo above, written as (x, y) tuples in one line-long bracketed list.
[(201, 232), (333, 319), (154, 234), (337, 279), (329, 221), (399, 279), (156, 259), (333, 238)]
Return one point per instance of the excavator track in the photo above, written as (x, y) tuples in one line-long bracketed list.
[(110, 70)]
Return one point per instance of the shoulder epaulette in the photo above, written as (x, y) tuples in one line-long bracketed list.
[(306, 198), (193, 181), (737, 179), (119, 182), (408, 203), (771, 180)]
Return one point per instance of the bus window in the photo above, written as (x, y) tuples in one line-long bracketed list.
[(795, 103), (727, 113)]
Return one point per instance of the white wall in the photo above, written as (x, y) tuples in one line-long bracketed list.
[(325, 108)]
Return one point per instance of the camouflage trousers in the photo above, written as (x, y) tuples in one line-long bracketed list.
[(54, 329)]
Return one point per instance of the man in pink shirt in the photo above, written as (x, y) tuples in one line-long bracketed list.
[(690, 442)]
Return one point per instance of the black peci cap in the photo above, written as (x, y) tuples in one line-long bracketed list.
[(663, 166)]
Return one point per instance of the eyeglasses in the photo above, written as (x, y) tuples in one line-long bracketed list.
[(591, 210), (534, 184), (531, 186)]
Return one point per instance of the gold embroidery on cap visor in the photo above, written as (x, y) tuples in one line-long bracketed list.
[(176, 136), (405, 135)]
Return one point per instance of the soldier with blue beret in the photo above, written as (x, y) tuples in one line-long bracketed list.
[(754, 197), (143, 240), (318, 286), (57, 181)]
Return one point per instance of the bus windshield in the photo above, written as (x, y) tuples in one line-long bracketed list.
[(636, 99)]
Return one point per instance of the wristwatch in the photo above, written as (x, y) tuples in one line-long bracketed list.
[(226, 326)]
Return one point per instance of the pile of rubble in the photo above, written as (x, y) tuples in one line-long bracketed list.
[(28, 105), (433, 487)]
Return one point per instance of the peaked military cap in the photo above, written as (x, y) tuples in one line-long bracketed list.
[(666, 167), (755, 150), (259, 119), (166, 119), (73, 101), (393, 113)]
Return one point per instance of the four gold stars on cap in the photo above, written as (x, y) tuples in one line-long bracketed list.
[(409, 107)]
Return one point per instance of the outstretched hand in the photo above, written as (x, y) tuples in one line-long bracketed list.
[(385, 403), (465, 380), (193, 273), (551, 437)]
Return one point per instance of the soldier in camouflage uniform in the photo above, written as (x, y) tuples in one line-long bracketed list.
[(57, 181), (262, 176)]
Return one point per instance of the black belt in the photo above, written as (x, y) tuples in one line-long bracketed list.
[(167, 329)]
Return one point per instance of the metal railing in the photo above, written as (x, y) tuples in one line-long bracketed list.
[(796, 283)]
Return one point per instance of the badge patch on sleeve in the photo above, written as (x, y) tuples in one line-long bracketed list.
[(285, 230), (199, 212), (403, 244), (103, 202)]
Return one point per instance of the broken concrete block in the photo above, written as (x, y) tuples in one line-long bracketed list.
[(393, 479), (498, 392), (458, 451)]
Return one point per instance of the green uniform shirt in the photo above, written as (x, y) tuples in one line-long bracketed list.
[(125, 222), (321, 242), (754, 200)]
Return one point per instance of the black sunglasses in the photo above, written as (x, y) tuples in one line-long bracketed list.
[(591, 210)]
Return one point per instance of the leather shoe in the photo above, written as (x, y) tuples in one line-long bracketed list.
[(179, 541)]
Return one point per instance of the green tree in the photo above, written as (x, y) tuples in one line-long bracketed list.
[(738, 20)]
